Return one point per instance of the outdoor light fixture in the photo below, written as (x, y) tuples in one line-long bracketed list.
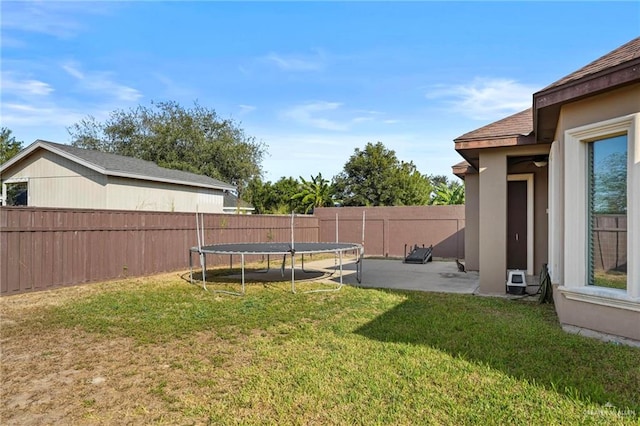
[(541, 161)]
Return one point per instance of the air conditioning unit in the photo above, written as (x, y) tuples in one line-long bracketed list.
[(516, 281)]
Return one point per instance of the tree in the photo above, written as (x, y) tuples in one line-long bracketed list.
[(190, 139), (9, 146), (314, 193), (447, 194), (436, 180), (610, 192), (375, 177), (277, 198)]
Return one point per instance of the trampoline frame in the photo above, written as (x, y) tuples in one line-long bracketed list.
[(268, 249), (282, 249)]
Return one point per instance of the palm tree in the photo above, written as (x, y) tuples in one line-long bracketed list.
[(448, 194), (314, 193)]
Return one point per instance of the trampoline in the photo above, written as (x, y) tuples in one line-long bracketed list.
[(291, 249), (277, 249)]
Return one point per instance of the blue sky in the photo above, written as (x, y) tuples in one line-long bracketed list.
[(312, 80)]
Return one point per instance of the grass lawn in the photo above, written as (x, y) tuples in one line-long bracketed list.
[(611, 279), (160, 351)]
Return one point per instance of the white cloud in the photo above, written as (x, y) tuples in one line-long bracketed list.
[(101, 82), (59, 19), (307, 114), (34, 108), (174, 90), (332, 116), (11, 42), (73, 70), (486, 98), (246, 109), (23, 87), (297, 62), (19, 114)]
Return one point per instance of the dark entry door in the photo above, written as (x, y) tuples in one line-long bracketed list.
[(517, 224)]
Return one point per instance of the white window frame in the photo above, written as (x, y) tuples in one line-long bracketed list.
[(15, 180), (575, 285)]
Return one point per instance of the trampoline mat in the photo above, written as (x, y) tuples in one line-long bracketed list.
[(276, 248)]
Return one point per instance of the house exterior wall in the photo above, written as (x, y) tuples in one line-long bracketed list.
[(540, 211), (541, 219), (493, 221), (492, 214), (472, 223), (131, 194), (54, 181), (577, 304)]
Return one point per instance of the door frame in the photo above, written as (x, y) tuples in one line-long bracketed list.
[(528, 177)]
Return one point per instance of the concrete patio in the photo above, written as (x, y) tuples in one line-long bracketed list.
[(436, 276)]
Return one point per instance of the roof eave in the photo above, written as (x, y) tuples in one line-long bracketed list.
[(172, 181), (495, 142), (462, 169), (547, 102), (40, 144)]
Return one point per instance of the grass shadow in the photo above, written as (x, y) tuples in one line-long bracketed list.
[(521, 339)]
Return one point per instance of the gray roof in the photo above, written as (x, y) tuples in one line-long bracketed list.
[(231, 201), (119, 165)]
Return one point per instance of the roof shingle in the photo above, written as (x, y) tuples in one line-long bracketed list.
[(519, 124), (622, 54), (135, 167)]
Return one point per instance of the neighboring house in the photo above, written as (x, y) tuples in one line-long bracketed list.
[(235, 205), (559, 184), (47, 174)]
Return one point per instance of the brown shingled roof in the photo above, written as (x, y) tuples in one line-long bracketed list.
[(616, 69), (622, 54), (519, 124)]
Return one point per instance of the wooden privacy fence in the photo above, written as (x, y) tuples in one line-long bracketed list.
[(610, 242), (388, 229), (42, 248)]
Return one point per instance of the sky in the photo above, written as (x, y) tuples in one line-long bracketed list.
[(312, 81)]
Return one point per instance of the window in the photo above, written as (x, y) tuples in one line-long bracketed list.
[(16, 194), (607, 212), (601, 224)]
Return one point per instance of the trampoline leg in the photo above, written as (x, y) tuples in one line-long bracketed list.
[(190, 268), (293, 273), (203, 264), (242, 261), (340, 269), (359, 268), (284, 259)]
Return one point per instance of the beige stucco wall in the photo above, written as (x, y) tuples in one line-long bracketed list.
[(578, 313), (540, 204), (54, 181), (472, 224), (493, 221), (130, 194), (598, 108), (492, 214)]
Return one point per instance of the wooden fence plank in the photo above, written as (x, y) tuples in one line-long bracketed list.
[(45, 247)]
